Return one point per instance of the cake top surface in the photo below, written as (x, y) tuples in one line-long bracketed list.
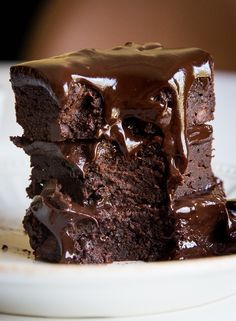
[(148, 65)]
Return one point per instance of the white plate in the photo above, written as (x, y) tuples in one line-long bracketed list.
[(122, 289)]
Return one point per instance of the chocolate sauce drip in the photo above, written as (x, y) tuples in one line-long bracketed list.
[(201, 224), (58, 213), (199, 134), (231, 206)]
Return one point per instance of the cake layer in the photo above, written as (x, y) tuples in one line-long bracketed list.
[(63, 231), (97, 173), (83, 115), (96, 170), (198, 175), (80, 95)]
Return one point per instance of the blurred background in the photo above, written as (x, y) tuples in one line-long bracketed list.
[(49, 27)]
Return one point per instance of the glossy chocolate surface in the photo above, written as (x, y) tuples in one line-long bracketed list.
[(201, 224), (58, 213)]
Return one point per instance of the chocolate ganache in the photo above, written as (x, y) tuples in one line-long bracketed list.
[(148, 98)]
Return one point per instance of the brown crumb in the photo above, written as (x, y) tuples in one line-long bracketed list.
[(27, 252), (4, 248)]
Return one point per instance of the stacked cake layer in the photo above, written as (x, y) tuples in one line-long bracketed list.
[(120, 150)]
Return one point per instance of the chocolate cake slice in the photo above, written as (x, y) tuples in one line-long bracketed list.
[(120, 150)]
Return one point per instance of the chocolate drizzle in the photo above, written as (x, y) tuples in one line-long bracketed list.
[(201, 224), (58, 213)]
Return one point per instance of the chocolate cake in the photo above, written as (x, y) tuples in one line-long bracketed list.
[(120, 149)]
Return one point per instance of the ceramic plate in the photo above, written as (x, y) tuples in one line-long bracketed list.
[(110, 290)]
